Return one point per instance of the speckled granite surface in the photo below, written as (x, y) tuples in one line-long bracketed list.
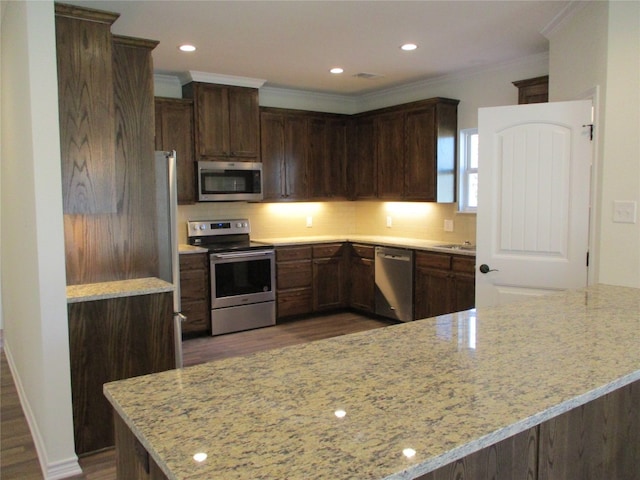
[(123, 288), (400, 242), (444, 387)]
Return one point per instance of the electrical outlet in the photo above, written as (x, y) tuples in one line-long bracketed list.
[(448, 225), (624, 211), (309, 221), (389, 221)]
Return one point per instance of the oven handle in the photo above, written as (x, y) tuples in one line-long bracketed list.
[(260, 253)]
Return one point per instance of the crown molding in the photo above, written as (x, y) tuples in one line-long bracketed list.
[(562, 18), (194, 76)]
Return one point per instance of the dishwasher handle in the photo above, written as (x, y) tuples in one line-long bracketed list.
[(390, 256)]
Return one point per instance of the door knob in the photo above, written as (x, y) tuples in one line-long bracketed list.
[(484, 268)]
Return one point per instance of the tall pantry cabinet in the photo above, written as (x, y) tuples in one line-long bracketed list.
[(106, 110)]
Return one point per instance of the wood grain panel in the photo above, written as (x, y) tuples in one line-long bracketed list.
[(514, 458), (420, 155), (389, 135), (111, 340), (361, 167), (86, 110), (595, 441), (132, 460)]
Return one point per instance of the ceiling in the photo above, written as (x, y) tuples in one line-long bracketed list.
[(293, 44)]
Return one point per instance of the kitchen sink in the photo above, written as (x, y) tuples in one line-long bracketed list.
[(457, 246)]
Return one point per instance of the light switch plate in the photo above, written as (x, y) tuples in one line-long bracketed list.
[(624, 211), (309, 222), (389, 221)]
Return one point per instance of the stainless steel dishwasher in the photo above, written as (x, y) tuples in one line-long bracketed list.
[(394, 283)]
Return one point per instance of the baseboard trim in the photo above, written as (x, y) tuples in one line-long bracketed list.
[(50, 470)]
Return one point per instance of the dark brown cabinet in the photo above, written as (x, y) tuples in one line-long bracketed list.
[(533, 90), (415, 150), (329, 277), (195, 293), (86, 109), (361, 170), (294, 278), (227, 121), (327, 159), (111, 340), (389, 151), (284, 155), (362, 277), (174, 131), (444, 283)]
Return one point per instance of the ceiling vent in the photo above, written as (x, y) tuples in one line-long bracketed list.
[(368, 76)]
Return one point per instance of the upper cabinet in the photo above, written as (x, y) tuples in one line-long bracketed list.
[(86, 109), (533, 90), (327, 162), (227, 121), (174, 131), (415, 148)]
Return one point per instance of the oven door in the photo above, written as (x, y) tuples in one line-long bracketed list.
[(242, 278)]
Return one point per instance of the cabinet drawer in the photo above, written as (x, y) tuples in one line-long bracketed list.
[(198, 317), (293, 275), (433, 260), (363, 251), (293, 253), (193, 261), (194, 285), (328, 250), (294, 302), (463, 264)]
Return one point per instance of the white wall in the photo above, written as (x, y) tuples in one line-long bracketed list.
[(599, 46), (32, 246)]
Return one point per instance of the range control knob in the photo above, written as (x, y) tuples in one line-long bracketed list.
[(239, 225), (203, 226)]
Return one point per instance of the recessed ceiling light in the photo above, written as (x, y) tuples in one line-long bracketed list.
[(187, 48), (407, 47), (336, 70)]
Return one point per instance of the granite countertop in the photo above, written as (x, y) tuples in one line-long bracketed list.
[(400, 242), (444, 387), (184, 249), (89, 292)]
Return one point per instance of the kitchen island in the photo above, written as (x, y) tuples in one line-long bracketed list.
[(543, 389)]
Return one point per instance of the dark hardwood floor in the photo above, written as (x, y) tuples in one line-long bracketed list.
[(18, 458)]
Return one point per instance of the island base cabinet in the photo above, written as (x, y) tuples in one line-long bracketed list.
[(599, 440), (133, 462)]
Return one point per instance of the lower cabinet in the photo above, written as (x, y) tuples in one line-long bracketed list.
[(444, 283), (194, 293), (310, 278), (110, 340), (362, 277), (329, 277), (293, 281)]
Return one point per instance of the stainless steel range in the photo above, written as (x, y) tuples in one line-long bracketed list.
[(242, 275)]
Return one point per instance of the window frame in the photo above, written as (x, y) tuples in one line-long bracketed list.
[(464, 170)]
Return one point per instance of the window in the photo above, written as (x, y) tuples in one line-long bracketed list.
[(468, 178)]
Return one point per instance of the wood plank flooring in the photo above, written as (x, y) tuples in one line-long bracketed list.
[(18, 458)]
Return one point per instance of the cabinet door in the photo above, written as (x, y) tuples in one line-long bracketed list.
[(194, 293), (272, 145), (295, 158), (389, 132), (244, 123), (329, 282), (362, 284), (420, 161), (432, 292), (327, 158), (174, 131), (362, 160), (211, 107)]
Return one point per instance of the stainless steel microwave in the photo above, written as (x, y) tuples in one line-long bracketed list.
[(229, 181)]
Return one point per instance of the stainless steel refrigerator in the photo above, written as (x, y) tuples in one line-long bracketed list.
[(167, 236)]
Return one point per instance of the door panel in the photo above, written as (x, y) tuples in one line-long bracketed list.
[(533, 200)]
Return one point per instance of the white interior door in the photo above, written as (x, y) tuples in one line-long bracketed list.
[(534, 172)]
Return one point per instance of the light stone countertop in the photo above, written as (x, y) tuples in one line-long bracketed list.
[(445, 387), (89, 292), (184, 249), (399, 242)]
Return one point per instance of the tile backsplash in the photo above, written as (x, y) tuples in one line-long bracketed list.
[(406, 219)]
